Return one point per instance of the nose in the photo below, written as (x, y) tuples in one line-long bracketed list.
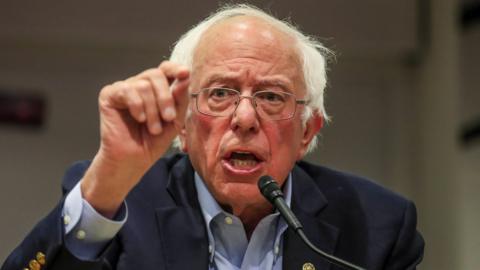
[(245, 118)]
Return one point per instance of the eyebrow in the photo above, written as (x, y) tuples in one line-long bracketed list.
[(221, 78), (277, 82), (274, 81)]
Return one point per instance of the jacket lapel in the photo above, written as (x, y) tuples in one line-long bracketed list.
[(181, 226), (307, 203), (184, 236)]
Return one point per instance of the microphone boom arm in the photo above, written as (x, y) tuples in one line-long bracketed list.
[(271, 191)]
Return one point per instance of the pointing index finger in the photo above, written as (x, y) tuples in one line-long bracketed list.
[(178, 78), (174, 71), (181, 96)]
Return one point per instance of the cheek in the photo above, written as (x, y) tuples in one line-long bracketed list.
[(209, 130), (285, 140), (204, 134), (284, 136)]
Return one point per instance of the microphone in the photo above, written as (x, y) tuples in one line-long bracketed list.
[(271, 191)]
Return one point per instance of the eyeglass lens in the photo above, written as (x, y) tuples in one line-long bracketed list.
[(273, 105)]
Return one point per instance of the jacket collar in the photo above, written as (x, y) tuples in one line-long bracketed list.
[(182, 229), (308, 202)]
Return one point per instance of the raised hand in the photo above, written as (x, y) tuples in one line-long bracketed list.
[(139, 118)]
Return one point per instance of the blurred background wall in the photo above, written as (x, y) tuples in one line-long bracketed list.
[(403, 94)]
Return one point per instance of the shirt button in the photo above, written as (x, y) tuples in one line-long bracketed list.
[(229, 220), (81, 234), (66, 219), (210, 249), (276, 250)]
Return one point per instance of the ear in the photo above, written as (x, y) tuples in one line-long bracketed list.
[(312, 127)]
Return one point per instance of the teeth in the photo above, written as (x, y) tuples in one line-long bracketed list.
[(243, 163)]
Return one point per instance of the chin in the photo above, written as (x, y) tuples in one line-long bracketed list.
[(240, 193)]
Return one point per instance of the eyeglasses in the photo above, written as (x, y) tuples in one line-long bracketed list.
[(271, 105)]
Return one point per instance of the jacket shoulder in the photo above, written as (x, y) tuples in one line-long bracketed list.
[(77, 170), (380, 222), (332, 182)]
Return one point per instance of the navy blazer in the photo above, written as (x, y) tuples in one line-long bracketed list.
[(350, 217)]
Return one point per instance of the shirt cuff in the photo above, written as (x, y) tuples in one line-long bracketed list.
[(87, 232)]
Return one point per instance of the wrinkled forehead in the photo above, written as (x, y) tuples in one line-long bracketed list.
[(246, 32)]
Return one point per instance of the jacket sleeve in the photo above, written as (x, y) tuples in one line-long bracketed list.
[(44, 247), (408, 250)]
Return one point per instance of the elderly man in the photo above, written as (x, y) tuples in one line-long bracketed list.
[(243, 92)]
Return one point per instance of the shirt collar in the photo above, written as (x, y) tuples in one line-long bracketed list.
[(210, 208)]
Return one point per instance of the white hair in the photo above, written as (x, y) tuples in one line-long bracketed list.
[(311, 52)]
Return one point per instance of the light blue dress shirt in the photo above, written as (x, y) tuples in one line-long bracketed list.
[(87, 232), (228, 244)]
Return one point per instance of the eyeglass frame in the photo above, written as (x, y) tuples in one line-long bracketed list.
[(253, 101)]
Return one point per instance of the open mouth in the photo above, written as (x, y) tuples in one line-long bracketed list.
[(243, 161)]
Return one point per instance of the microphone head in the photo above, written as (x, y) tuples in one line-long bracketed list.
[(269, 188)]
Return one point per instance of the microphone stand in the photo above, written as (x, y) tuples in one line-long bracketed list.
[(271, 191)]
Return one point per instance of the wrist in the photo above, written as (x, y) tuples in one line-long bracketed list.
[(105, 185), (105, 201)]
